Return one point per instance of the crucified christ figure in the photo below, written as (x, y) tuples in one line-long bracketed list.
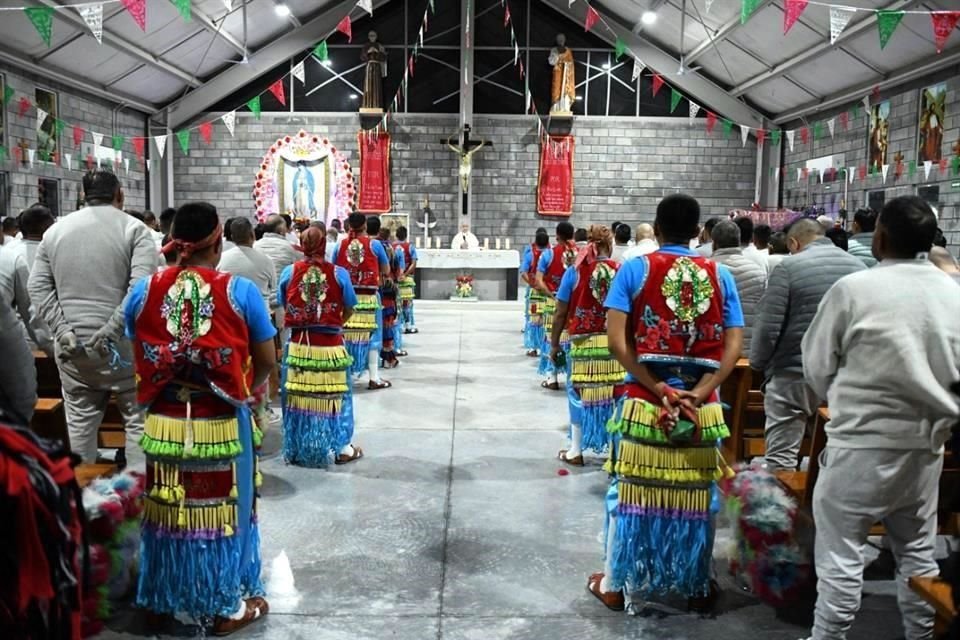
[(466, 152)]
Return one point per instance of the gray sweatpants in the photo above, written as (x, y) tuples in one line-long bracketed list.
[(88, 382), (856, 489), (789, 403)]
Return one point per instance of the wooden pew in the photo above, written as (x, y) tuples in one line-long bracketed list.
[(939, 595), (49, 420), (87, 473)]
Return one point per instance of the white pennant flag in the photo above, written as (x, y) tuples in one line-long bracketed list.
[(92, 15), (832, 125), (69, 158), (298, 72), (569, 3), (694, 110), (744, 134), (776, 177), (799, 172), (822, 171), (161, 142), (126, 166), (228, 4), (366, 5), (709, 4), (516, 53), (839, 17), (851, 173), (228, 120), (420, 36), (146, 165), (41, 116), (927, 165), (790, 134), (884, 170), (30, 156), (527, 100), (97, 139), (638, 68), (866, 103)]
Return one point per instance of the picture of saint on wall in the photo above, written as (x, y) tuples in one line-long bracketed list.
[(879, 132), (933, 105)]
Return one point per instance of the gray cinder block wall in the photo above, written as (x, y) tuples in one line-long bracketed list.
[(903, 137), (623, 167), (77, 108)]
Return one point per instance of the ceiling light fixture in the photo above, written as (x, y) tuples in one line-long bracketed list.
[(605, 65), (648, 17), (327, 63), (353, 96), (579, 98), (282, 10)]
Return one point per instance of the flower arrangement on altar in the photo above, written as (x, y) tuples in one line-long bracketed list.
[(464, 288)]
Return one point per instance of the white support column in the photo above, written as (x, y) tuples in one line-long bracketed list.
[(467, 41)]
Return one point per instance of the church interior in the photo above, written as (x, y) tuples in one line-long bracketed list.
[(464, 129)]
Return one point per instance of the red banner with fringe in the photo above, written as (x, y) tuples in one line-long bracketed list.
[(374, 194), (555, 185)]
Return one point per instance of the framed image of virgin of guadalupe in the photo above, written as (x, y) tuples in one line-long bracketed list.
[(879, 132), (933, 111)]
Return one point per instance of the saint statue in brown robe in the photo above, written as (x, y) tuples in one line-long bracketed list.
[(563, 90), (375, 56)]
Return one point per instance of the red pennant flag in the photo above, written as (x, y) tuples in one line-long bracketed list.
[(898, 171), (711, 121), (138, 11), (18, 154), (277, 90), (944, 22), (943, 166), (806, 173), (761, 136), (875, 92), (506, 17), (23, 106), (77, 136), (138, 147), (657, 83), (592, 18), (862, 170), (410, 65), (844, 120), (89, 162), (791, 13), (344, 27), (56, 158), (804, 134), (521, 67), (206, 129)]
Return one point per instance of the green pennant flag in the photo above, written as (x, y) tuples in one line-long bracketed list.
[(7, 94), (60, 125), (887, 23), (775, 136), (42, 20), (43, 155), (727, 127), (747, 7), (912, 168), (3, 153), (675, 97), (956, 165), (183, 6), (817, 130), (254, 105), (117, 143), (620, 48), (321, 52), (432, 8), (856, 112), (183, 137)]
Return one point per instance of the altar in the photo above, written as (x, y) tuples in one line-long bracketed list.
[(495, 272)]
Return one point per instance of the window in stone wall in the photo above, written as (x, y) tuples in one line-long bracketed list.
[(47, 142), (48, 194), (875, 199), (931, 195)]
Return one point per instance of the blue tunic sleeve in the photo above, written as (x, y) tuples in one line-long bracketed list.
[(133, 305), (253, 309), (545, 259), (732, 311), (349, 295), (567, 284), (379, 251), (414, 255), (626, 285), (282, 285)]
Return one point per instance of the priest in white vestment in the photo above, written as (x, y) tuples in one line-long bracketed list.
[(465, 239)]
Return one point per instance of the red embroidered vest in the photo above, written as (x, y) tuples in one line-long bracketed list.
[(535, 253), (678, 316), (587, 314), (407, 254), (564, 255), (314, 297), (356, 256), (188, 325)]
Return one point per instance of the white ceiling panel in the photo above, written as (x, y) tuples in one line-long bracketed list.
[(202, 54), (85, 58), (19, 34), (729, 65), (821, 74), (165, 27), (263, 24), (777, 96), (763, 35), (150, 84)]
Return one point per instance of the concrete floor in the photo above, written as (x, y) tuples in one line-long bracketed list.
[(457, 525)]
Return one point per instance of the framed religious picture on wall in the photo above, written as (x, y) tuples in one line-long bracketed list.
[(879, 133), (933, 107), (47, 134), (394, 220)]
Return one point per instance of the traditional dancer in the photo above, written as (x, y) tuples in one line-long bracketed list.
[(550, 268), (318, 298), (674, 323), (533, 334), (366, 261), (389, 297), (202, 341), (407, 283), (592, 372)]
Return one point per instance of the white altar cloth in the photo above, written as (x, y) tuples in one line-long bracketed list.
[(475, 259)]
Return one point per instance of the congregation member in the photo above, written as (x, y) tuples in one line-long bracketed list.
[(621, 243), (391, 348), (883, 350), (14, 276), (761, 238), (318, 417), (10, 230), (838, 237), (677, 349), (860, 243), (705, 248), (366, 261), (200, 541), (533, 333), (150, 219), (228, 242), (750, 250), (244, 260), (945, 262), (592, 373), (84, 268), (275, 245), (18, 375), (778, 250), (645, 242), (551, 266), (333, 237), (290, 231), (34, 222), (750, 278), (407, 283), (789, 303), (165, 222), (581, 237)]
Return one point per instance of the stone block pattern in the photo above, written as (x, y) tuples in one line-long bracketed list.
[(903, 137), (75, 108), (623, 167)]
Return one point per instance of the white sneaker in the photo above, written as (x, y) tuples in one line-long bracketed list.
[(276, 416)]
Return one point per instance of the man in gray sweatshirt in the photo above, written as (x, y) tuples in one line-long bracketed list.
[(84, 267), (883, 350), (861, 242), (783, 315)]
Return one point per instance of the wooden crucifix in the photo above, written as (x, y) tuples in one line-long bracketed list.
[(465, 151)]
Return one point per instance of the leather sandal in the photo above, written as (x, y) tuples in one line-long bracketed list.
[(342, 459), (257, 608), (575, 461), (612, 600)]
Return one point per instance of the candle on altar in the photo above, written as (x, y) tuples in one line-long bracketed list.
[(486, 243), (508, 242), (498, 244), (418, 242)]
